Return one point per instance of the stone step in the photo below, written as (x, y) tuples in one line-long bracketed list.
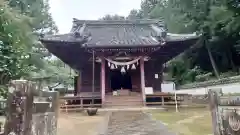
[(122, 107), (125, 93), (129, 101), (123, 97), (126, 104), (125, 100)]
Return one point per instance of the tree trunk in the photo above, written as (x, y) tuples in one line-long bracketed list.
[(207, 32), (212, 61), (229, 54)]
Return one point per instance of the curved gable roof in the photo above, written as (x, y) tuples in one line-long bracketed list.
[(96, 33)]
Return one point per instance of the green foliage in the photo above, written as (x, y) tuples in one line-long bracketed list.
[(21, 54), (3, 92), (217, 21), (41, 23), (15, 41), (147, 6), (135, 14), (55, 71), (180, 71), (38, 10)]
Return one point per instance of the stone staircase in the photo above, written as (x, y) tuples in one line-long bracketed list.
[(123, 99)]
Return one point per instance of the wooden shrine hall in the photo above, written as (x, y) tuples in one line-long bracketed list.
[(117, 60)]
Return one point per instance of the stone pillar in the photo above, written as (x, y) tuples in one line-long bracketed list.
[(142, 79), (19, 107), (103, 82)]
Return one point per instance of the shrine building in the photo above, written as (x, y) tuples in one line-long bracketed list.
[(117, 60)]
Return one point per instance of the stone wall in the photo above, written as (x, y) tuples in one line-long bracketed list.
[(30, 111), (222, 81), (44, 124)]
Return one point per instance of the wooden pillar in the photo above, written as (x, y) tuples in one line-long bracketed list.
[(163, 101), (79, 82), (103, 82), (142, 80), (157, 76)]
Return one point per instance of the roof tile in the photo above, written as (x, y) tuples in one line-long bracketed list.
[(117, 33)]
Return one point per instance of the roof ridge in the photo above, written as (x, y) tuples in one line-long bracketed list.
[(115, 22)]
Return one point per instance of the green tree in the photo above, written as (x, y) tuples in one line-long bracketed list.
[(55, 72), (41, 23), (21, 54), (15, 41), (147, 6), (216, 20), (135, 14), (38, 10)]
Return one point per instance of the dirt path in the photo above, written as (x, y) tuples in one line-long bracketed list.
[(78, 124), (134, 123)]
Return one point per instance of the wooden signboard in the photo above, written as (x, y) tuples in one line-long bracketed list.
[(148, 90)]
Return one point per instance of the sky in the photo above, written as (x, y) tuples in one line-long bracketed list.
[(63, 11)]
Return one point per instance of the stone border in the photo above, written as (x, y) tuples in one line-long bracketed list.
[(103, 127), (227, 80), (130, 109)]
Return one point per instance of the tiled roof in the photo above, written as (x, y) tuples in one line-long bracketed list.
[(124, 33), (70, 38), (62, 38), (109, 33)]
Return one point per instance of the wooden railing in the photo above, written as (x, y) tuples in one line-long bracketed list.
[(75, 103), (164, 99)]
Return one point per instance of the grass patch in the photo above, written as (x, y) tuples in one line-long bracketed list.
[(200, 126), (186, 121), (169, 117)]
